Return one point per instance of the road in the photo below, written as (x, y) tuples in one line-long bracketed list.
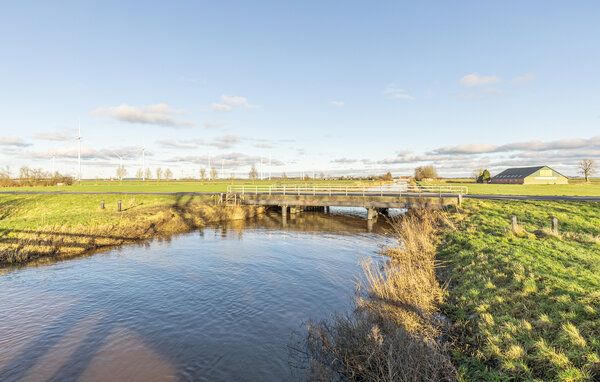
[(550, 198)]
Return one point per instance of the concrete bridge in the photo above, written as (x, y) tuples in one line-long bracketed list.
[(375, 199)]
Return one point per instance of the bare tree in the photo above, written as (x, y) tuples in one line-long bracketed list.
[(139, 174), (587, 167), (168, 174), (121, 173), (202, 174), (158, 174), (213, 174), (425, 172), (148, 174), (253, 174)]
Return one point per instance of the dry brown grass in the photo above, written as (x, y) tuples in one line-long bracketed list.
[(67, 240), (394, 333)]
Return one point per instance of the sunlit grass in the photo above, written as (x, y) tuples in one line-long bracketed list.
[(527, 304)]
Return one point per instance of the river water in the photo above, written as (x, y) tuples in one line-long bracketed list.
[(220, 304)]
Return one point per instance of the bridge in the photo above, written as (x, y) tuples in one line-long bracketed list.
[(376, 199)]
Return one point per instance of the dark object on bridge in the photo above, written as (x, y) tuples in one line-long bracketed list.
[(102, 204), (554, 224), (515, 226), (530, 175), (118, 205)]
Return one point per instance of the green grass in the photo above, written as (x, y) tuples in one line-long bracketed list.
[(162, 186), (574, 188), (38, 226), (526, 304)]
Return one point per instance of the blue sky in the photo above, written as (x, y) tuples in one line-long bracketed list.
[(342, 87)]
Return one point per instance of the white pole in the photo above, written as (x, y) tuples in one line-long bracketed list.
[(209, 174), (79, 150), (143, 165), (261, 172), (269, 166), (222, 173)]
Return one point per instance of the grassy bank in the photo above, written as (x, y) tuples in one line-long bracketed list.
[(574, 188), (47, 226), (526, 304), (464, 297)]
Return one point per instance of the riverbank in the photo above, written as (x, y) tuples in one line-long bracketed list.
[(57, 226), (525, 303), (463, 296)]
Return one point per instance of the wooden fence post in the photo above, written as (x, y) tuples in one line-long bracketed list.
[(118, 205), (514, 223), (102, 204)]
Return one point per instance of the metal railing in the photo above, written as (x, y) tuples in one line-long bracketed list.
[(395, 189)]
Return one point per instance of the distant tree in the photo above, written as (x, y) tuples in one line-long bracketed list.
[(168, 174), (202, 174), (425, 172), (253, 174), (484, 177), (322, 175), (587, 167), (139, 174), (283, 175), (387, 177), (158, 174), (121, 173), (213, 174), (477, 173), (148, 174)]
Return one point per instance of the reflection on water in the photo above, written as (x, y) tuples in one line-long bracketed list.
[(217, 304)]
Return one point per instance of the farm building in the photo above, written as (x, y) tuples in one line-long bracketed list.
[(530, 175)]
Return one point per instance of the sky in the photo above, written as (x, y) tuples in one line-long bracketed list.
[(335, 87)]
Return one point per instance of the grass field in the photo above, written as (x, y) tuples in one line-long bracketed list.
[(526, 304), (165, 186), (38, 226), (574, 188)]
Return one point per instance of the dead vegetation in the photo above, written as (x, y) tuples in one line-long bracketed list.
[(23, 244), (395, 332)]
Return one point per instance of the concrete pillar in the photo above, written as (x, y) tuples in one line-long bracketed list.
[(459, 199), (555, 225), (284, 215), (370, 225), (371, 213), (515, 225)]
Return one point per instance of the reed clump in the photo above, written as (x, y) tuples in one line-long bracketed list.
[(395, 332)]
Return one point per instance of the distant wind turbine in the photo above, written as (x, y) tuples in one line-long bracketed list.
[(78, 139)]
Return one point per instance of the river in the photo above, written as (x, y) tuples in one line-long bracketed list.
[(219, 304)]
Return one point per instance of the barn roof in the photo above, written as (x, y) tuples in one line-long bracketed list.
[(518, 172)]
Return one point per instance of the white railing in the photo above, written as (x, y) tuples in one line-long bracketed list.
[(395, 189)]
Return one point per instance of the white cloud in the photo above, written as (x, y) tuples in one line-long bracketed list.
[(337, 103), (394, 92), (159, 114), (474, 79), (209, 124), (230, 103), (481, 148), (524, 79), (53, 136), (469, 148), (169, 144), (12, 141)]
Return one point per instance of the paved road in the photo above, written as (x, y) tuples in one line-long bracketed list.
[(555, 198), (552, 198)]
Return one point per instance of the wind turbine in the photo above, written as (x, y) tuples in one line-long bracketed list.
[(269, 166), (78, 139), (143, 150)]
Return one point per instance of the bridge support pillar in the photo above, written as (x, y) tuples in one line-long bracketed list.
[(371, 213), (284, 209)]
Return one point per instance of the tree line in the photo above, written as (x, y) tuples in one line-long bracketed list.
[(28, 177)]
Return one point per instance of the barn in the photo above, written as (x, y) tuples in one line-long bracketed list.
[(530, 175)]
